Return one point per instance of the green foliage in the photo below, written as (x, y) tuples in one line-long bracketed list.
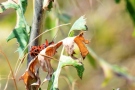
[(117, 1), (79, 24), (67, 60), (7, 5), (23, 4), (21, 30), (50, 5), (64, 61), (131, 10), (80, 70), (22, 37), (110, 70)]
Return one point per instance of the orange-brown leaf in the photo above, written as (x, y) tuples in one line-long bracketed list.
[(30, 76), (27, 79), (80, 40)]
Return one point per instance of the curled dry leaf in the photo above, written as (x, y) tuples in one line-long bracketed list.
[(30, 76), (80, 40), (68, 43), (44, 58), (41, 60)]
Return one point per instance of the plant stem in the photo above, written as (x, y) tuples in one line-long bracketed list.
[(10, 69), (37, 25)]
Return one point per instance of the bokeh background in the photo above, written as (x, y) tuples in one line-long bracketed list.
[(110, 30)]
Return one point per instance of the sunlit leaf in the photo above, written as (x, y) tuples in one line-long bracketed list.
[(22, 37), (79, 24), (6, 5), (65, 61), (22, 30)]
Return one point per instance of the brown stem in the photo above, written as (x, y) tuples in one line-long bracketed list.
[(37, 28)]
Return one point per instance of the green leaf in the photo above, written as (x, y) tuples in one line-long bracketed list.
[(22, 38), (24, 4), (80, 70), (21, 31), (50, 5), (6, 5), (117, 1), (79, 24), (64, 61)]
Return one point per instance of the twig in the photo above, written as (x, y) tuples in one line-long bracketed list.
[(7, 81), (10, 69)]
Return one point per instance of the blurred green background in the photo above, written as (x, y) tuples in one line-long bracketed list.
[(110, 30)]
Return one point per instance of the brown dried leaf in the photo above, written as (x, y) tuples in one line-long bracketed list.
[(44, 58), (80, 40), (30, 77), (68, 44)]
